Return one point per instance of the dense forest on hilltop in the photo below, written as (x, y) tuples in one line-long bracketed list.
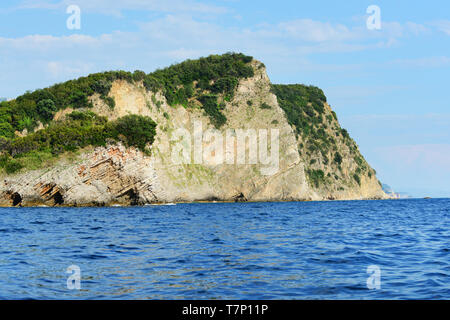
[(205, 81)]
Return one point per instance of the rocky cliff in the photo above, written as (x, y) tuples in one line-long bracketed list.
[(315, 160)]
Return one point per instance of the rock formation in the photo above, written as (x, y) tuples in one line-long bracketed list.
[(114, 174)]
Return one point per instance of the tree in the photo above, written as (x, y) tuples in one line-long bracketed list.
[(6, 130), (137, 130), (338, 158), (46, 108), (78, 99)]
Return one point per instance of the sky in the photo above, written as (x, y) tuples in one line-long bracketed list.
[(388, 86)]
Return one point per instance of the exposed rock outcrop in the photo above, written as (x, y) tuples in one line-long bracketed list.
[(126, 176)]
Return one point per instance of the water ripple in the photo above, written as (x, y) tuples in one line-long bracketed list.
[(309, 250)]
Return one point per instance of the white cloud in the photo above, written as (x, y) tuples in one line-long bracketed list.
[(426, 62), (50, 43), (289, 46), (430, 157), (443, 26), (59, 69), (116, 7), (317, 31)]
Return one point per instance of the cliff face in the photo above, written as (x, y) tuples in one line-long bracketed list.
[(119, 175)]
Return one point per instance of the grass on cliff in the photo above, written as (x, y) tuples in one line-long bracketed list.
[(216, 74), (82, 129)]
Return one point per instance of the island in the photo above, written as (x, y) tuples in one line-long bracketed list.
[(132, 138)]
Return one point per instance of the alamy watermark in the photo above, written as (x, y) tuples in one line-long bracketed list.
[(74, 280), (213, 147), (374, 20), (374, 280), (73, 22)]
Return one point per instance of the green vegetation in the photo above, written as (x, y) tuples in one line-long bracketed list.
[(345, 134), (304, 108), (46, 108), (303, 105), (216, 74), (25, 111), (80, 130), (316, 177), (203, 79), (110, 102), (212, 109), (207, 83), (337, 158), (133, 130), (210, 81), (156, 102), (319, 131), (357, 178)]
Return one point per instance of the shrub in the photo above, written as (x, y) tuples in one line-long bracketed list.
[(137, 130), (110, 102), (101, 86), (218, 73), (225, 85), (316, 177), (334, 115), (6, 130), (359, 160), (79, 130), (78, 99), (345, 134), (12, 166), (26, 123), (337, 158), (303, 106), (139, 75), (357, 178), (211, 108), (84, 116), (46, 108)]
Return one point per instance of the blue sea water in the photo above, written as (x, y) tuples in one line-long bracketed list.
[(298, 250)]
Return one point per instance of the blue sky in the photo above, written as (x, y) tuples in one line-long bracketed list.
[(389, 87)]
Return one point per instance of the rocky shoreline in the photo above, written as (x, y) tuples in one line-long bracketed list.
[(116, 175)]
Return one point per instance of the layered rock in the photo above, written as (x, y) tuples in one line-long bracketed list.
[(126, 176)]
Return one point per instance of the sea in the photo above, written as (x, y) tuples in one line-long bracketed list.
[(357, 250)]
